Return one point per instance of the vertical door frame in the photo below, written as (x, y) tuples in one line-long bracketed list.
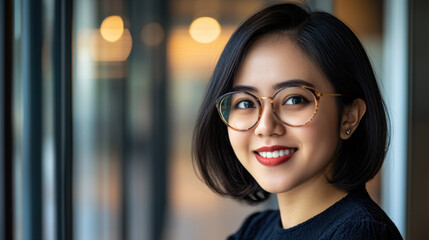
[(394, 178), (417, 194)]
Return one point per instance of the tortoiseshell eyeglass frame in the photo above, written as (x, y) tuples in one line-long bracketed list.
[(317, 95)]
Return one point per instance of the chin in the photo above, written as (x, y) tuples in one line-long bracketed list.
[(275, 187)]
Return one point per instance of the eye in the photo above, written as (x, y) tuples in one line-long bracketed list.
[(294, 100), (244, 104)]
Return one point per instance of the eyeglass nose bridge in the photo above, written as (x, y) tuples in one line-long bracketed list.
[(272, 108), (268, 98), (262, 98)]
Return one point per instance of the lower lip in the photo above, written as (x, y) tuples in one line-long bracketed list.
[(273, 161)]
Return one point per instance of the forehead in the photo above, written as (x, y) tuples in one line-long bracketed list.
[(274, 59)]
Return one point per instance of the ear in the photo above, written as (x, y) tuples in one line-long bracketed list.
[(352, 114)]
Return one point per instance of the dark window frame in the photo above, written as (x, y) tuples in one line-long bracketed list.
[(6, 136), (63, 118)]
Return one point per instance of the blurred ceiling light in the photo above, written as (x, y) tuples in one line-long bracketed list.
[(106, 51), (112, 28), (204, 29), (152, 34)]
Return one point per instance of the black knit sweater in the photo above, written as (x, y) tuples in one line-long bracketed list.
[(355, 216)]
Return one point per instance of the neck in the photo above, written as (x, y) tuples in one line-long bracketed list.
[(307, 200)]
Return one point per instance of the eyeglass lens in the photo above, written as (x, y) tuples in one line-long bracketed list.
[(294, 106)]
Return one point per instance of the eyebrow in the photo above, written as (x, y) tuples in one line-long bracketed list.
[(292, 82), (287, 83)]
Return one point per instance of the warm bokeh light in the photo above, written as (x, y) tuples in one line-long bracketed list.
[(204, 29), (190, 60), (152, 34), (107, 51), (112, 28)]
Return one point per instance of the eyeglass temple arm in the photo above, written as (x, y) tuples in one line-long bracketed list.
[(331, 94)]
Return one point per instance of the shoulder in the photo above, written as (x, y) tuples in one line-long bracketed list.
[(366, 229), (252, 225), (362, 218)]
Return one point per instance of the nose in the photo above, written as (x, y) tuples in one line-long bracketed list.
[(269, 124)]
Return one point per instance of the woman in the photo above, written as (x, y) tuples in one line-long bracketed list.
[(293, 109)]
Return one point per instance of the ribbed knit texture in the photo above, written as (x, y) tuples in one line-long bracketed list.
[(354, 217)]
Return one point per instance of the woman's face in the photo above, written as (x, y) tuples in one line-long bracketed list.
[(309, 149)]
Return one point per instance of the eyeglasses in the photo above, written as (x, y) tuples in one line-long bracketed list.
[(294, 106)]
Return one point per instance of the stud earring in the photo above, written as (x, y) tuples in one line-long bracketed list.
[(348, 131)]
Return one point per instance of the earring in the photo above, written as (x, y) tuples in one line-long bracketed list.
[(348, 131)]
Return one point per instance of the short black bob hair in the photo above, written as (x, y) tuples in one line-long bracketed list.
[(335, 49)]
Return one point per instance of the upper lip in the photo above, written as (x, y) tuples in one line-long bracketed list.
[(272, 148)]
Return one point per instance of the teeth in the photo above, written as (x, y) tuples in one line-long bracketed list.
[(276, 154)]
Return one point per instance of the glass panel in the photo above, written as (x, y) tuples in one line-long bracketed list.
[(48, 194), (114, 75), (48, 125), (98, 94), (17, 125)]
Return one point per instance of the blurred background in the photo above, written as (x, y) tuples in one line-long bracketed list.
[(99, 99)]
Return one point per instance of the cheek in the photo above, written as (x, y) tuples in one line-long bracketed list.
[(320, 138), (239, 143)]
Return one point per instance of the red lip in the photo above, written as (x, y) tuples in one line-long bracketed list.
[(272, 161)]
